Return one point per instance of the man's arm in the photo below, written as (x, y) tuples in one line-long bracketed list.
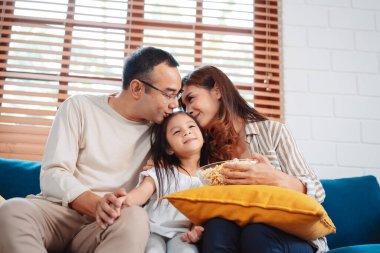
[(57, 180), (86, 203)]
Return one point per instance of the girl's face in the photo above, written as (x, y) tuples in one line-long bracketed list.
[(202, 103), (184, 136)]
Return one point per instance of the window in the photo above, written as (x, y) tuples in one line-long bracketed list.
[(52, 49)]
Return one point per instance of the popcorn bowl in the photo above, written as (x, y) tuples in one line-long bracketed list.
[(210, 173)]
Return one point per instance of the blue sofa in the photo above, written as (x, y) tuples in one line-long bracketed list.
[(352, 203)]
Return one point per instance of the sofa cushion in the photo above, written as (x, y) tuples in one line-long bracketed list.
[(19, 178), (368, 248), (285, 209), (354, 206)]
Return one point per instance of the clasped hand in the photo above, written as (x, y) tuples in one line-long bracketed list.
[(109, 207), (260, 173)]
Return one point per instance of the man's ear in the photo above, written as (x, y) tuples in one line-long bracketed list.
[(216, 90), (136, 88)]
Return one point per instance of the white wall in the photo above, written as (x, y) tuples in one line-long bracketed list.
[(331, 53)]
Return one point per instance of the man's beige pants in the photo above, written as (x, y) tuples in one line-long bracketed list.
[(34, 226)]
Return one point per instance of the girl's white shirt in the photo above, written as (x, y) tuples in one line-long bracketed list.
[(164, 218)]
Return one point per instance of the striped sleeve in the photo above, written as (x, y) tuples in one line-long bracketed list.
[(292, 162)]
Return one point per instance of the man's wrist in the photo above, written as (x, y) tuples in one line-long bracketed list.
[(86, 203)]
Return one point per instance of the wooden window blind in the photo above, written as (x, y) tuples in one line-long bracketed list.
[(52, 49)]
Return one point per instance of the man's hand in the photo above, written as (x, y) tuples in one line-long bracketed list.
[(109, 208), (194, 235)]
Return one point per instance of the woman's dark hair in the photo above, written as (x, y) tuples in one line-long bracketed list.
[(160, 145), (223, 138), (140, 64)]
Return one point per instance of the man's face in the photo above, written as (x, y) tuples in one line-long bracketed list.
[(157, 104)]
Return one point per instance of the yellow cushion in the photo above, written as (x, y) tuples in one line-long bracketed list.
[(288, 210), (1, 200)]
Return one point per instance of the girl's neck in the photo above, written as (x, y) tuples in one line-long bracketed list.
[(189, 165)]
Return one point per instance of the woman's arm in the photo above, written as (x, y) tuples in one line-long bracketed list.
[(293, 164), (292, 172)]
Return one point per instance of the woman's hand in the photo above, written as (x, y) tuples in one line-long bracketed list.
[(194, 235), (108, 208), (260, 173)]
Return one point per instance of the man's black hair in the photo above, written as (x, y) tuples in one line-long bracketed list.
[(140, 64)]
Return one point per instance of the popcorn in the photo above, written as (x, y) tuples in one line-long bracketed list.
[(212, 176)]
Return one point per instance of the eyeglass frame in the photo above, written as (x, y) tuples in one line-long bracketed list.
[(171, 97)]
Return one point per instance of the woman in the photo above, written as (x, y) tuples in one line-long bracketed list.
[(237, 130)]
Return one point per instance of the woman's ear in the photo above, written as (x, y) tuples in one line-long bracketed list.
[(136, 88), (216, 90)]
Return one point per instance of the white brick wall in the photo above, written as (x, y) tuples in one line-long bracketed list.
[(331, 54)]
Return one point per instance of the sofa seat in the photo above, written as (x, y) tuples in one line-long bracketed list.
[(368, 248)]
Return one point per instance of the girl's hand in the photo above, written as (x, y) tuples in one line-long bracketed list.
[(261, 173), (149, 164), (109, 207), (194, 235)]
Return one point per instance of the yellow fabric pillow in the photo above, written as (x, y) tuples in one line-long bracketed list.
[(288, 210)]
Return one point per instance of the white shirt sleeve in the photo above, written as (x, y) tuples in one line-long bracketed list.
[(61, 154)]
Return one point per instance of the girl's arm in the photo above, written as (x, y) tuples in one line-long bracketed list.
[(140, 194), (137, 196)]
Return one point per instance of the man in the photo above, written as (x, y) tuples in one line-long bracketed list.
[(94, 152)]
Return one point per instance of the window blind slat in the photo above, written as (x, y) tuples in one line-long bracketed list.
[(22, 138), (10, 154), (30, 112), (34, 130), (25, 121), (21, 148), (33, 76)]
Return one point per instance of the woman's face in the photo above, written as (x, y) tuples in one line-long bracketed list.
[(202, 103), (184, 136)]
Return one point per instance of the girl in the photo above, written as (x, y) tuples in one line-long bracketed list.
[(178, 151), (237, 130)]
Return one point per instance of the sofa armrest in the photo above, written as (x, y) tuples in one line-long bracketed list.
[(353, 204)]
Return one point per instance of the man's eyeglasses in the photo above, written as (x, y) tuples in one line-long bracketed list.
[(171, 97)]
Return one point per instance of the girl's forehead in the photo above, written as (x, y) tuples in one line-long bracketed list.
[(180, 117)]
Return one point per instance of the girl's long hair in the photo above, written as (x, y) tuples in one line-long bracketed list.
[(223, 138), (162, 160)]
